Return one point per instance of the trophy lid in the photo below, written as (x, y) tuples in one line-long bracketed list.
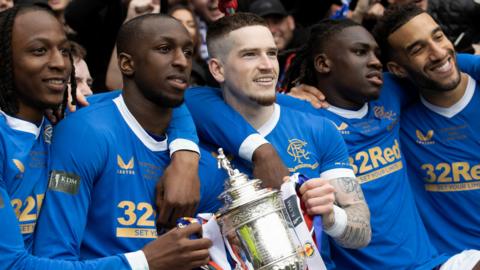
[(239, 189)]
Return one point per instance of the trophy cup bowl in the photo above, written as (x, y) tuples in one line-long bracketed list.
[(255, 223)]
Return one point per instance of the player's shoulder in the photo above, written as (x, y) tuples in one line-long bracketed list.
[(305, 118), (318, 126), (98, 116)]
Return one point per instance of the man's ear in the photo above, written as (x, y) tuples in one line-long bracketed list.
[(216, 69), (322, 63), (126, 64), (291, 22), (396, 69)]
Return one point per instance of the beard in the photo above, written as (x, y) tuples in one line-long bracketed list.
[(422, 81), (169, 102), (264, 100), (163, 100)]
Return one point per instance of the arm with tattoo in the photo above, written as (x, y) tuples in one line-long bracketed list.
[(349, 196)]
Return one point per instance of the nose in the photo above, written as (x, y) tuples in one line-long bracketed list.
[(59, 60), (180, 59), (437, 51), (374, 62), (267, 62)]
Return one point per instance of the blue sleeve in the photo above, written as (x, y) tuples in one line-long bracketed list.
[(181, 127), (181, 131), (217, 123), (397, 89), (296, 104), (14, 255), (78, 155), (469, 64)]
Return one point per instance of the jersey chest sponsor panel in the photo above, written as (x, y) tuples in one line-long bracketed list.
[(444, 164), (397, 231), (26, 149)]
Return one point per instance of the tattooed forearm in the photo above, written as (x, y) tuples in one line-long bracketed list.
[(349, 196), (358, 232)]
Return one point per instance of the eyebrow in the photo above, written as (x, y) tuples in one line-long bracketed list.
[(46, 40), (172, 40), (257, 49), (409, 47)]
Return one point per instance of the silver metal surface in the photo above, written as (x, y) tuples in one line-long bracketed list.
[(256, 224)]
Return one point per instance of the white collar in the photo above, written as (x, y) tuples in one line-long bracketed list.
[(271, 123), (451, 111), (22, 125), (142, 135), (349, 114)]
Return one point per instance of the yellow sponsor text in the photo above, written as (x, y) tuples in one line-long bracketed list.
[(380, 172), (375, 157), (455, 176), (136, 233), (27, 210), (27, 228)]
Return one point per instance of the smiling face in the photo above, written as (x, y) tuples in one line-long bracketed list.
[(250, 67), (163, 61), (41, 64), (424, 55), (354, 65)]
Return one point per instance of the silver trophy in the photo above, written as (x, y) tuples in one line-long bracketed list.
[(255, 223)]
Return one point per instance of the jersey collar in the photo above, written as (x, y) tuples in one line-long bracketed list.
[(141, 134), (453, 110), (271, 123), (22, 125), (349, 114)]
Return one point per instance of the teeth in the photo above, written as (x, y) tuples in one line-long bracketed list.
[(443, 68), (53, 81), (264, 80)]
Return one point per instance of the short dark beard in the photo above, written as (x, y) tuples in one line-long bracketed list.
[(264, 101), (423, 82)]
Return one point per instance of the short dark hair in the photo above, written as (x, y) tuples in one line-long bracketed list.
[(394, 17), (131, 32), (302, 69), (227, 24)]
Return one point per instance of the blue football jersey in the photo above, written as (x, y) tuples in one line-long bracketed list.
[(15, 256), (181, 132), (399, 238), (25, 150), (443, 149), (101, 193)]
